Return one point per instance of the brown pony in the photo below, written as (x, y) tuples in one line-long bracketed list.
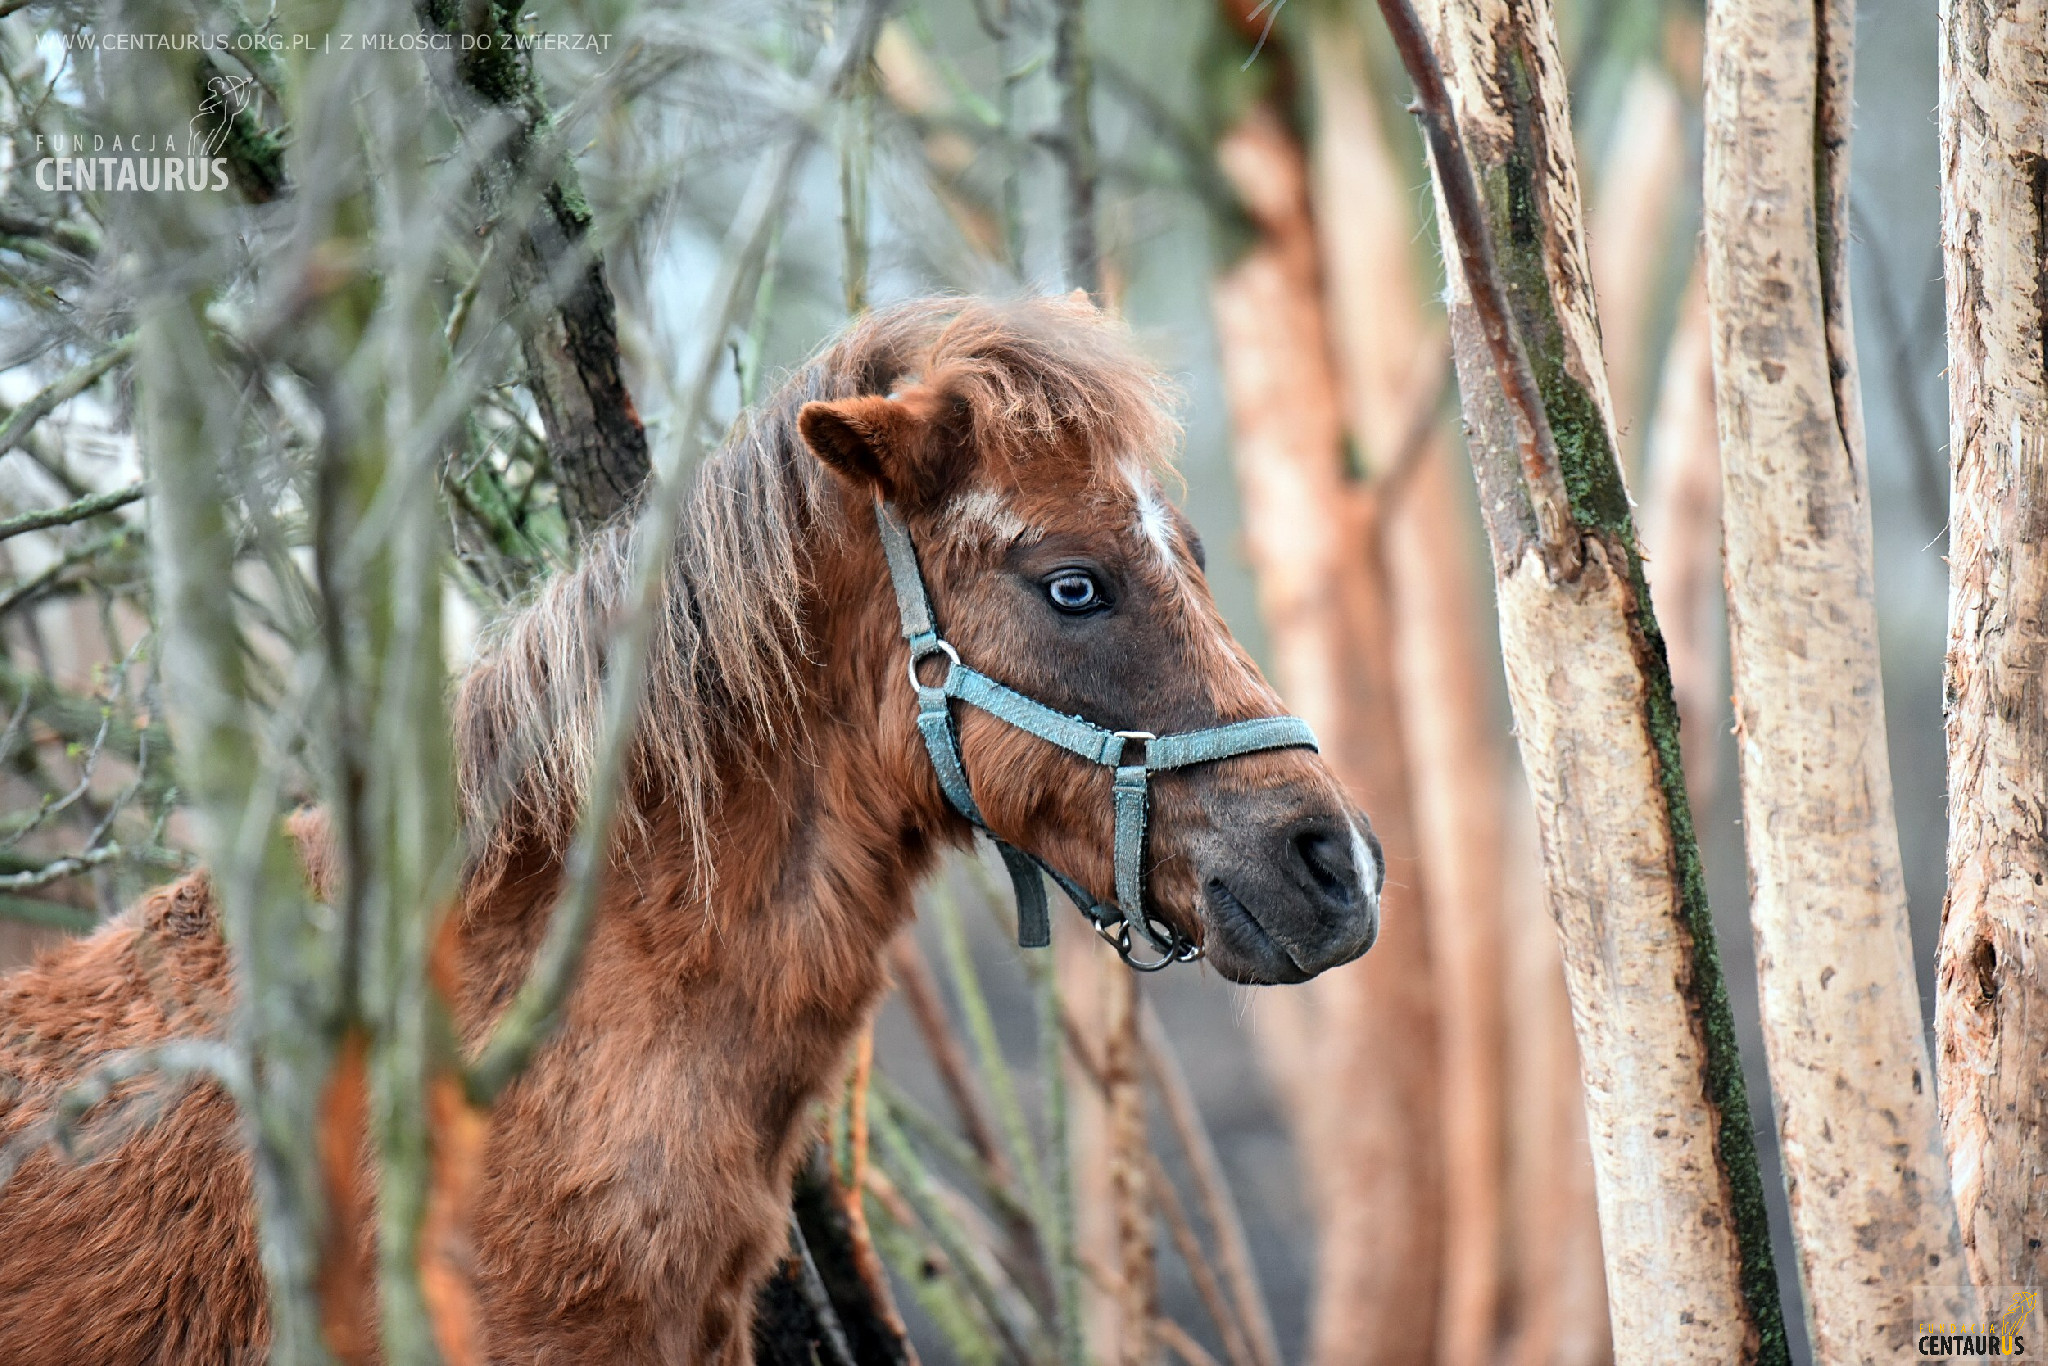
[(637, 1175)]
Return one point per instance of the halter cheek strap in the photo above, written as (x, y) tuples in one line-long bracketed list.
[(1133, 755)]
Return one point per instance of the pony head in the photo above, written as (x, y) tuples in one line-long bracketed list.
[(1024, 447)]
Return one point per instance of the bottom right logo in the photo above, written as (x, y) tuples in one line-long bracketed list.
[(2008, 1328)]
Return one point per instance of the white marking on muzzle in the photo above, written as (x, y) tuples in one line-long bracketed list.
[(1369, 869)]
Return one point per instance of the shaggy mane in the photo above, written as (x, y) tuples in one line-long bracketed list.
[(726, 665)]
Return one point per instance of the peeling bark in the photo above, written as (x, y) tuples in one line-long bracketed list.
[(1857, 1125), (1683, 1230), (1991, 1011), (1369, 1122)]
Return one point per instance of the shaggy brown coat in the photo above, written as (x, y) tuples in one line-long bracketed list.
[(637, 1174)]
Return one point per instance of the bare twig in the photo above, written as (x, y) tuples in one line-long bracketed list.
[(1233, 1249), (929, 1272), (93, 506), (61, 391), (54, 914), (920, 991), (1058, 1236), (71, 866), (1927, 457), (36, 584), (922, 1190), (1208, 1289), (1171, 1334), (1177, 1339), (1071, 73), (1476, 260), (1129, 1150)]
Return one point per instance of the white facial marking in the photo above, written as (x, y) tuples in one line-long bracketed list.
[(985, 510), (1153, 522), (1362, 859)]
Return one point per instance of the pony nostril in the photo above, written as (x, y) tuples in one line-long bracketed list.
[(1327, 859)]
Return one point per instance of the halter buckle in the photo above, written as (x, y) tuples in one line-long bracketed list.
[(1141, 736), (919, 654)]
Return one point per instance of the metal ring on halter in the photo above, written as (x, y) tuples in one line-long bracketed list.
[(1117, 934), (937, 647)]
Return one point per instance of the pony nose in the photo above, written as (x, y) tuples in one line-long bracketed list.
[(1337, 868)]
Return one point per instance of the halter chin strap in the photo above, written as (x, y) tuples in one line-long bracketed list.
[(1134, 756)]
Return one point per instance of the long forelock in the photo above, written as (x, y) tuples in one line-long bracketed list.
[(728, 660)]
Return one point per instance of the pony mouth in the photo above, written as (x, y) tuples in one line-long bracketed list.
[(1241, 948)]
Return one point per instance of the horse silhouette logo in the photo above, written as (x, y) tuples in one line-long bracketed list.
[(2018, 1314), (226, 97)]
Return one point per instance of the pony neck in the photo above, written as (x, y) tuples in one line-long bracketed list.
[(818, 826)]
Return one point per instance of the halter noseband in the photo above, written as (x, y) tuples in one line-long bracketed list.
[(1124, 923)]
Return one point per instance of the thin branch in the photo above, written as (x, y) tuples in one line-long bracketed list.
[(920, 992), (55, 915), (1926, 458), (1059, 1236), (36, 584), (1182, 1344), (59, 869), (1236, 1345), (981, 1029), (1076, 146), (1189, 148), (93, 506), (62, 391), (1233, 1249), (928, 1271), (922, 1190), (1476, 260)]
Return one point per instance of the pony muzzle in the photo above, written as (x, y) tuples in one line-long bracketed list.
[(1290, 896)]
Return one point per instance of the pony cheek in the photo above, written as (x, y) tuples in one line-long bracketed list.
[(1043, 800)]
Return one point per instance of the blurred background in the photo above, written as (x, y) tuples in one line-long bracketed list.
[(1398, 1141)]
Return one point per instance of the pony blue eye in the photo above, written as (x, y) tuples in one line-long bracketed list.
[(1071, 590)]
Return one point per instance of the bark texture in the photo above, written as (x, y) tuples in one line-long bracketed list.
[(596, 444), (1554, 1294), (1991, 1012), (1857, 1124), (1683, 1231), (1367, 1112)]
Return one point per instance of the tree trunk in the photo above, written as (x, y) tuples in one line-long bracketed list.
[(1687, 1250), (1991, 1012), (596, 445), (1368, 1122), (1393, 357), (1841, 1019)]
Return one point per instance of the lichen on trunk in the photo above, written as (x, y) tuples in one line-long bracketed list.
[(1668, 1112)]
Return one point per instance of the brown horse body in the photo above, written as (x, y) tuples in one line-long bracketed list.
[(637, 1175)]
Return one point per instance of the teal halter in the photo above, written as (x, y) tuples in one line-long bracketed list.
[(1124, 923)]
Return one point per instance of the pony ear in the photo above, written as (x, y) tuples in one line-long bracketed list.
[(882, 444)]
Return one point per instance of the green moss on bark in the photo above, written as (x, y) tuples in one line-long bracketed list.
[(1599, 504)]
